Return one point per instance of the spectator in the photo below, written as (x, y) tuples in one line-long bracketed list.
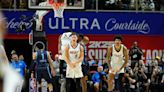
[(155, 76), (56, 64), (12, 52), (139, 70), (21, 57), (161, 63), (135, 54), (110, 4), (147, 5), (32, 83), (130, 81), (20, 67), (92, 62), (156, 70), (97, 78)]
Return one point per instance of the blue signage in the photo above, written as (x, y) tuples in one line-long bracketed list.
[(15, 19), (94, 23)]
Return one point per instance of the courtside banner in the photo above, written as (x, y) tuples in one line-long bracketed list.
[(92, 22), (106, 23)]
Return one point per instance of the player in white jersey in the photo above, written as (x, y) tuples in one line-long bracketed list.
[(74, 55), (117, 58), (11, 79)]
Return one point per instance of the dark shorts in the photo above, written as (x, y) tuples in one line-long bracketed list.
[(63, 66), (73, 85), (43, 73)]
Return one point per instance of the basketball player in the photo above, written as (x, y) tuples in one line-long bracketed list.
[(43, 62), (74, 55), (7, 74), (64, 39), (83, 40), (117, 59)]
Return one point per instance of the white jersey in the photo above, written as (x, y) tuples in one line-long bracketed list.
[(74, 55), (117, 58), (65, 40)]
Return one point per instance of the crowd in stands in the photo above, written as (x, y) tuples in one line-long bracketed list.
[(141, 5)]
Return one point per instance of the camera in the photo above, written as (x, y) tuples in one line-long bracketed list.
[(127, 69)]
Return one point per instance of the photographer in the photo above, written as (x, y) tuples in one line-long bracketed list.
[(155, 78), (156, 71), (139, 70), (135, 54), (130, 81)]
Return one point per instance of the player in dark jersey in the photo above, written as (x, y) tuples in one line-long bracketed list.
[(83, 40), (43, 62)]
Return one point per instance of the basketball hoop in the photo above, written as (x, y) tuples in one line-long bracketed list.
[(58, 8)]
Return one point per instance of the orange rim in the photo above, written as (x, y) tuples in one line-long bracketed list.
[(57, 5)]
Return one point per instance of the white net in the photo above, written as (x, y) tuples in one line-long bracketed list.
[(58, 9)]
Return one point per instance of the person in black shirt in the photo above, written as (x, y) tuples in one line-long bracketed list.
[(135, 54)]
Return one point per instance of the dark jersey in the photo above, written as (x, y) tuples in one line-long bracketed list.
[(42, 59), (135, 53)]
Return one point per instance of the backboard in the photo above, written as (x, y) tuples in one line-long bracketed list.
[(44, 4)]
